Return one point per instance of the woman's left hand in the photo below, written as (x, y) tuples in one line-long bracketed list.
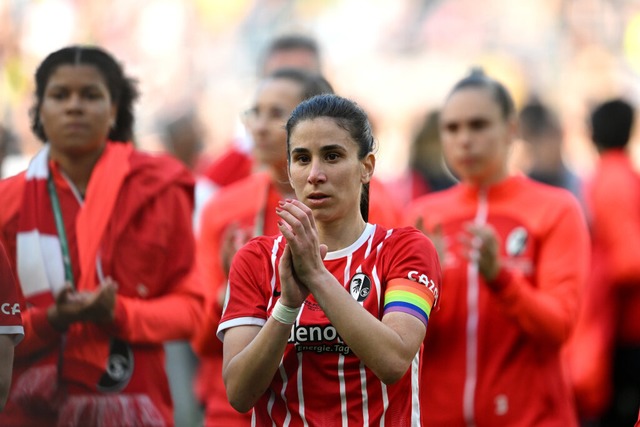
[(101, 304), (94, 306), (481, 244), (293, 292)]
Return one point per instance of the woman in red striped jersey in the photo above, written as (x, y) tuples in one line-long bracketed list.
[(324, 323)]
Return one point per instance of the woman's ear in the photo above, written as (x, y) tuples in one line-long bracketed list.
[(368, 166)]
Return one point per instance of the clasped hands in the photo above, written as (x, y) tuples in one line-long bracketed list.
[(479, 243), (301, 267), (72, 306)]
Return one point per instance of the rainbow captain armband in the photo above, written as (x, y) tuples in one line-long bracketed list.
[(409, 297)]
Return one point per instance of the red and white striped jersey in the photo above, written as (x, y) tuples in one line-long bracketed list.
[(320, 381)]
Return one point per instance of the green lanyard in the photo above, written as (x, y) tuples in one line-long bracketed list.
[(62, 234)]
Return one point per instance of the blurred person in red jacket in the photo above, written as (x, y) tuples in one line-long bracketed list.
[(604, 355), (291, 51), (514, 256), (285, 51), (100, 239)]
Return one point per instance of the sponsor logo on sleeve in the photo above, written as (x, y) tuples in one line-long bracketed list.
[(10, 309), (416, 276)]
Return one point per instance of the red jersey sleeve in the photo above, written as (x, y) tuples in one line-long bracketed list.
[(10, 318), (414, 276), (549, 310), (178, 308)]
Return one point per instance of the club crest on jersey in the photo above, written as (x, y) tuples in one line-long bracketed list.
[(517, 241), (360, 287)]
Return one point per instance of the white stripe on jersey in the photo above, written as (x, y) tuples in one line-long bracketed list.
[(16, 330), (385, 403), (272, 399), (365, 395), (374, 271), (301, 391), (343, 392), (285, 382), (415, 386), (347, 271), (274, 253), (369, 244), (368, 233), (239, 321), (376, 282)]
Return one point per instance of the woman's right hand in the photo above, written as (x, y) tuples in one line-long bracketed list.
[(293, 291), (66, 310), (306, 253)]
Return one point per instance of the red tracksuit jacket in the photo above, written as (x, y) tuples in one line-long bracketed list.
[(492, 358)]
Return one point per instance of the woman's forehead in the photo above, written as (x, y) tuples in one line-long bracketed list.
[(470, 101), (75, 73), (279, 85), (319, 131)]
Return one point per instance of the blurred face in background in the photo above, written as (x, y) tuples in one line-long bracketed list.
[(266, 119), (185, 141), (300, 58), (476, 137)]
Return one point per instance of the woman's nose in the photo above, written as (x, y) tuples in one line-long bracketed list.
[(74, 102), (316, 174)]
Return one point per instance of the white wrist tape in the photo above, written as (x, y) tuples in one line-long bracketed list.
[(284, 314)]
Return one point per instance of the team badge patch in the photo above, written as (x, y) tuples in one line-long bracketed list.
[(517, 241), (119, 367), (360, 287)]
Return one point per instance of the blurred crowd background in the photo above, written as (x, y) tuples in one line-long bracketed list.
[(397, 58)]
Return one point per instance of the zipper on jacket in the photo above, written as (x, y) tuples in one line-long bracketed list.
[(473, 294)]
